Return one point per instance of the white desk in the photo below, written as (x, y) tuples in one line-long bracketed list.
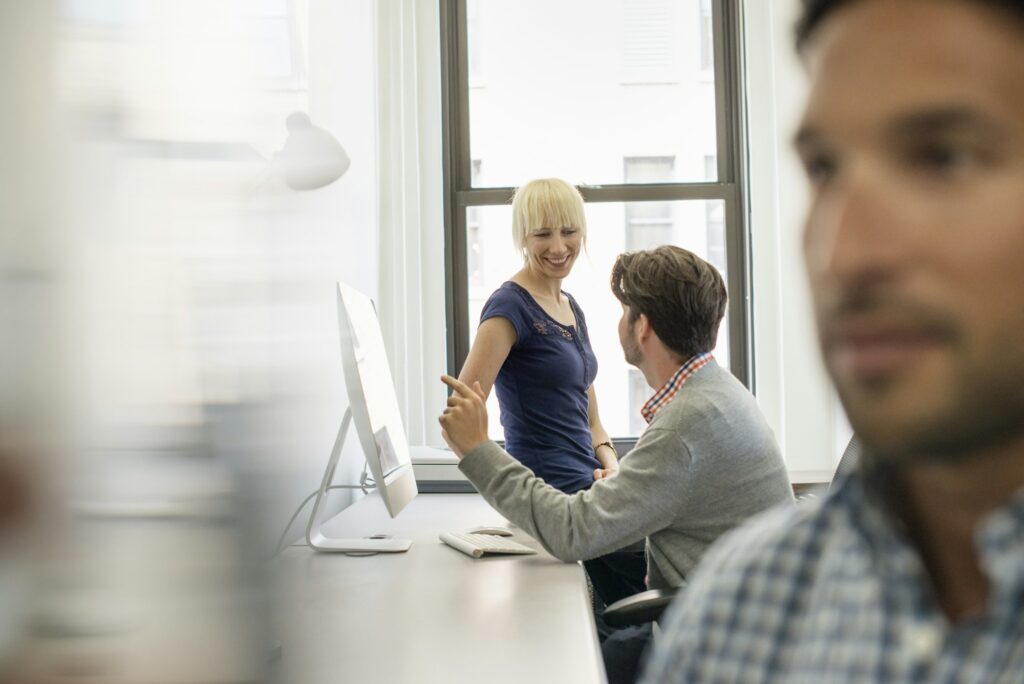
[(433, 614)]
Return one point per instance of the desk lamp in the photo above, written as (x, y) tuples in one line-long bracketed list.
[(311, 157)]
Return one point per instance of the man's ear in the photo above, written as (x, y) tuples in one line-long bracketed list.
[(643, 329)]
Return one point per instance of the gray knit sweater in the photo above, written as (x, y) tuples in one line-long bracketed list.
[(706, 463)]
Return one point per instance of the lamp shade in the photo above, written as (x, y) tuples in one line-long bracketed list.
[(311, 157)]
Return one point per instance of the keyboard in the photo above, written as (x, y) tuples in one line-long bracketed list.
[(476, 545)]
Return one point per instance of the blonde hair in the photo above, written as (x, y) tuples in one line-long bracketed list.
[(546, 203)]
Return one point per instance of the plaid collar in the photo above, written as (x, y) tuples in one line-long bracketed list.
[(668, 391), (999, 538)]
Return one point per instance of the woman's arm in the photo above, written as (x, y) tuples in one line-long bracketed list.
[(494, 340), (603, 449)]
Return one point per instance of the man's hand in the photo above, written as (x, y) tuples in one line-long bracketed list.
[(464, 421), (604, 473)]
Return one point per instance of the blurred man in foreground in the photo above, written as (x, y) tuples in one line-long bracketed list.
[(912, 569)]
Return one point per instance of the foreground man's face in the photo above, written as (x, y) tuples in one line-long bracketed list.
[(913, 140)]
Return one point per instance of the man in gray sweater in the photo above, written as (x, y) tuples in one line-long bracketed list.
[(706, 462)]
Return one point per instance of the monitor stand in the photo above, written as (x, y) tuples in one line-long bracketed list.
[(318, 540)]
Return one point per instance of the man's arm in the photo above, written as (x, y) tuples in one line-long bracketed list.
[(643, 498)]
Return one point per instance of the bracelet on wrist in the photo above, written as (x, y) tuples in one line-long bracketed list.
[(607, 444)]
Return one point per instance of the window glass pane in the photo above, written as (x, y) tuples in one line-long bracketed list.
[(474, 35), (707, 47), (612, 229), (648, 223), (571, 88)]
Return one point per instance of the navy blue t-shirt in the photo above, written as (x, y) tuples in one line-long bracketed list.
[(542, 390)]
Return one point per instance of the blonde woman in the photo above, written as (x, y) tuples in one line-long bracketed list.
[(533, 346)]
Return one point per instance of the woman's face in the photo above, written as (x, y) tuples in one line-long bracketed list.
[(552, 251)]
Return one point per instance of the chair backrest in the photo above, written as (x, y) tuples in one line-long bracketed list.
[(850, 458)]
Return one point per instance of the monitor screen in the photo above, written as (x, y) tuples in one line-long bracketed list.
[(372, 399)]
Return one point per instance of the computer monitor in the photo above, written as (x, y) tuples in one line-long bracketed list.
[(373, 407)]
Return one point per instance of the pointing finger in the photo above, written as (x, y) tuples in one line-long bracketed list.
[(460, 387)]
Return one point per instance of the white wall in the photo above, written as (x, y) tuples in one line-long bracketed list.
[(792, 388), (309, 241), (313, 240)]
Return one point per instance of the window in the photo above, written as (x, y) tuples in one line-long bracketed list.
[(475, 38), (639, 393), (707, 41), (657, 159), (714, 220), (647, 46), (648, 223), (474, 243), (273, 28)]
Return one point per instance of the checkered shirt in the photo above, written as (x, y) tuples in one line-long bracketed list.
[(833, 592), (668, 391)]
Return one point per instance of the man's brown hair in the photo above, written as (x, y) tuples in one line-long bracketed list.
[(682, 296), (814, 12)]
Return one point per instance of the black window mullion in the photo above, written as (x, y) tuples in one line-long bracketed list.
[(737, 235), (456, 175), (656, 192)]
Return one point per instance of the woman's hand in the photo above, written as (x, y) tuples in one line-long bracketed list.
[(604, 473)]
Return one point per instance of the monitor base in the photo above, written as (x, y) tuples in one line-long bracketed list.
[(333, 545)]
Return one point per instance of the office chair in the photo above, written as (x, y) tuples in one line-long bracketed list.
[(647, 606)]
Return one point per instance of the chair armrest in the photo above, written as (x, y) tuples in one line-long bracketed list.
[(647, 606)]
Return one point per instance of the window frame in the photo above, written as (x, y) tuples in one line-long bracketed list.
[(730, 187)]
